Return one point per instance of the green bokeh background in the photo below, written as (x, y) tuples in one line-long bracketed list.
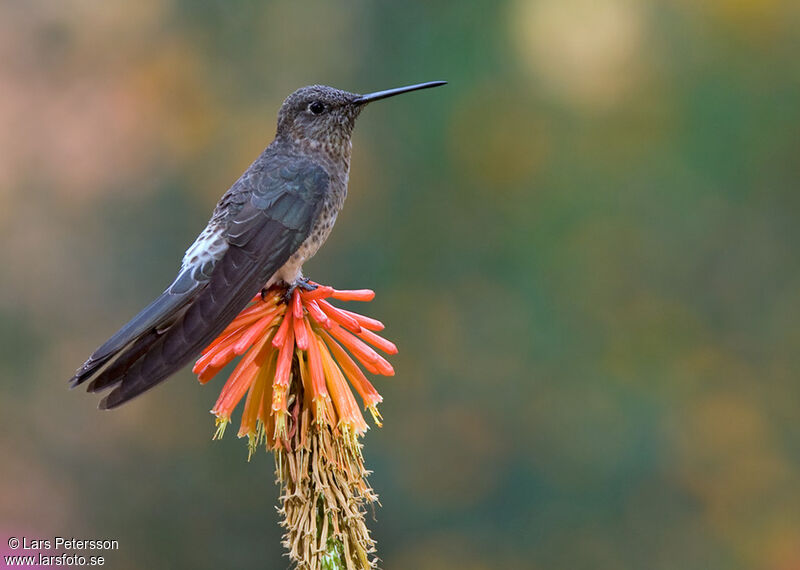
[(585, 247)]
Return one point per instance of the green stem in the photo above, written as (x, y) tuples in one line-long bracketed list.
[(333, 558)]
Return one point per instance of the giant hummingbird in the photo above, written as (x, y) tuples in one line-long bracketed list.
[(271, 220)]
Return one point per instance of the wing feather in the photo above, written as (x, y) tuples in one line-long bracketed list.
[(260, 234)]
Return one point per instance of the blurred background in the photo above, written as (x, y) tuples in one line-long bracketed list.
[(585, 247)]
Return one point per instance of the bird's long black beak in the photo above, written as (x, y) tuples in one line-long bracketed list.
[(369, 97)]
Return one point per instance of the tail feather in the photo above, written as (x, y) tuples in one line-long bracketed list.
[(124, 359), (166, 349), (177, 346), (156, 314)]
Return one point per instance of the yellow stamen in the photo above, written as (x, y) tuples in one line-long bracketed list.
[(221, 423), (376, 415)]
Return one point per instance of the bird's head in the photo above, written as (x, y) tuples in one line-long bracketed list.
[(321, 116)]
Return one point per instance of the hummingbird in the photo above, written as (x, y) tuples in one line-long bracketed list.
[(272, 219)]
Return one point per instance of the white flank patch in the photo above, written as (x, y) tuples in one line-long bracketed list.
[(209, 246)]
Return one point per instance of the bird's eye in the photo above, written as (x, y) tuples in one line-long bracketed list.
[(316, 107)]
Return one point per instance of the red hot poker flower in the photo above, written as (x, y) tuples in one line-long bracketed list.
[(305, 337), (297, 373)]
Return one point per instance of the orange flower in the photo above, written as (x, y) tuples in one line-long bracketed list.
[(298, 374), (303, 340)]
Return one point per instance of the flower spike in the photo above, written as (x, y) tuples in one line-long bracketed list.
[(300, 362), (296, 353)]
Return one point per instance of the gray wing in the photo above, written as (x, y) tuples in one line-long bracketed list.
[(263, 220)]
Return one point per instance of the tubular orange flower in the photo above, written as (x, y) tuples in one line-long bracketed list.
[(271, 333), (298, 376)]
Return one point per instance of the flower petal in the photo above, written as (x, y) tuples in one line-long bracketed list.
[(317, 314), (255, 330), (370, 359), (378, 341), (357, 379), (297, 305), (321, 292), (301, 333), (280, 335), (284, 365), (319, 389), (354, 294), (342, 397), (252, 405), (338, 316), (240, 380), (365, 322)]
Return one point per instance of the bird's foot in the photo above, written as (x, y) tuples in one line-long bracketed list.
[(301, 283)]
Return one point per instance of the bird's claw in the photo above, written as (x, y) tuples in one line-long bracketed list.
[(305, 284), (302, 283)]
